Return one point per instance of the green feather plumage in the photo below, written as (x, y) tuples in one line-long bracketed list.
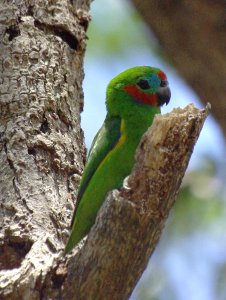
[(111, 156)]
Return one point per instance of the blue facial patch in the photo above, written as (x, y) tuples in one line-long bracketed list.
[(154, 82), (149, 84)]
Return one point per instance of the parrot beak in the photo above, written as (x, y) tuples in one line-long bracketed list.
[(163, 93)]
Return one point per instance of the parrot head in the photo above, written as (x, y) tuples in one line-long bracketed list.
[(137, 88)]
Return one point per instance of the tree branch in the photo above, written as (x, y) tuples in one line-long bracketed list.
[(42, 153), (130, 221), (194, 41)]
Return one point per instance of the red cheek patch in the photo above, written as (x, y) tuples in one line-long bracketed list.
[(150, 99)]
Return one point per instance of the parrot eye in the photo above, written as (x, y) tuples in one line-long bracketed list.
[(163, 83), (143, 84)]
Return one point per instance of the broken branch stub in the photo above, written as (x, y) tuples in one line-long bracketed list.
[(130, 221)]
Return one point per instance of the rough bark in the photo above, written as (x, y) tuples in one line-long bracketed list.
[(129, 224), (41, 145), (41, 156), (192, 35)]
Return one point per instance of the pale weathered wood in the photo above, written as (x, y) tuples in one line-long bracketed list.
[(42, 154), (130, 221), (42, 46)]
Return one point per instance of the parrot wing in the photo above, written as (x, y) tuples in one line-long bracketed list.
[(104, 141)]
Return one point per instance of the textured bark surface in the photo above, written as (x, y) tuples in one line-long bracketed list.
[(130, 221), (192, 35), (42, 153)]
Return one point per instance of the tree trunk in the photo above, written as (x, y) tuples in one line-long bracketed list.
[(42, 156), (41, 147), (192, 35)]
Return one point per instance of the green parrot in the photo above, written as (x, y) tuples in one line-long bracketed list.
[(133, 99)]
